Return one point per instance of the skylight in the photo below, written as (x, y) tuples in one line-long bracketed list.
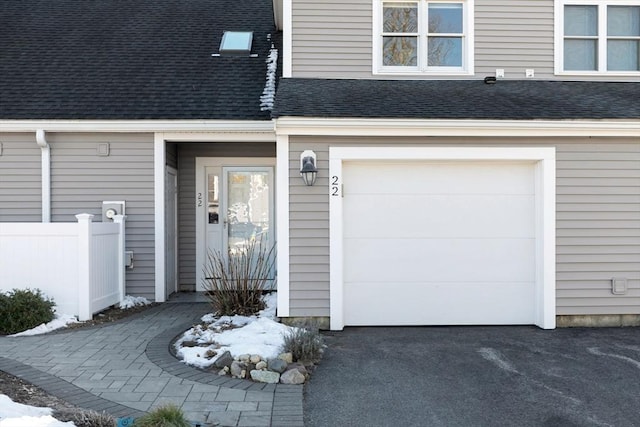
[(236, 42)]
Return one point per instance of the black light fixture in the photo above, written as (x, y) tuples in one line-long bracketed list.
[(308, 169)]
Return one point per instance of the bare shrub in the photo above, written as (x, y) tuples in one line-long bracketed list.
[(304, 343), (236, 280)]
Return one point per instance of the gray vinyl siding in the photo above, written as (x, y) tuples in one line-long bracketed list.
[(334, 39), (186, 156), (20, 179), (598, 221), (81, 180)]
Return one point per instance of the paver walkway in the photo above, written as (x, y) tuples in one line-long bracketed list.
[(125, 368)]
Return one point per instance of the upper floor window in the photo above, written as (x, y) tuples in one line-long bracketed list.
[(423, 36), (599, 37)]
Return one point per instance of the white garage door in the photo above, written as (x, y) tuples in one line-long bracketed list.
[(439, 243)]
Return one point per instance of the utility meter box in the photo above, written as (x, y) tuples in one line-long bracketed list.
[(110, 209)]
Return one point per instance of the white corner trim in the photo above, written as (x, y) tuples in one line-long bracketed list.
[(282, 224), (159, 160), (545, 303), (420, 127), (287, 38)]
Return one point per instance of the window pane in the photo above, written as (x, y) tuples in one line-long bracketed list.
[(400, 51), (445, 52), (580, 20), (445, 18), (623, 20), (400, 18), (580, 55), (622, 55)]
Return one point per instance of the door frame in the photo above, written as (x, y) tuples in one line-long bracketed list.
[(173, 172), (545, 179), (200, 200)]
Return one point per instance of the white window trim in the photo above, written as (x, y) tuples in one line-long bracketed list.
[(545, 181), (602, 37), (468, 42)]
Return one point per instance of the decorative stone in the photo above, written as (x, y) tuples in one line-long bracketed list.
[(237, 369), (287, 357), (244, 358), (189, 344), (223, 371), (292, 376), (225, 360), (299, 367), (255, 358), (265, 376), (277, 365), (262, 365)]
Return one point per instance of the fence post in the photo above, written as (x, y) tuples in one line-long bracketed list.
[(84, 266), (122, 274)]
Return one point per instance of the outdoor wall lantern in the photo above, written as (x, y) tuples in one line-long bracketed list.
[(308, 169)]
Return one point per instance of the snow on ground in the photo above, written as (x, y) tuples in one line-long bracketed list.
[(60, 321), (130, 302), (13, 414), (260, 334)]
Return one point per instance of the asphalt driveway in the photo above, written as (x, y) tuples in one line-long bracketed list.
[(477, 376)]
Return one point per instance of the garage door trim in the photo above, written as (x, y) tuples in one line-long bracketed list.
[(544, 158)]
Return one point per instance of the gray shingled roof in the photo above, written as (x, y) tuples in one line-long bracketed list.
[(457, 99), (130, 59)]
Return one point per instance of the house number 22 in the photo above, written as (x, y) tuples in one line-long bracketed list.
[(199, 200), (335, 186)]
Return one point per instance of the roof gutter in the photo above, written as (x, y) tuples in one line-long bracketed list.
[(138, 126), (46, 174)]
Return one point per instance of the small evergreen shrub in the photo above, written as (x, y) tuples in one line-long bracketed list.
[(163, 416), (23, 309), (304, 343), (82, 418), (235, 281)]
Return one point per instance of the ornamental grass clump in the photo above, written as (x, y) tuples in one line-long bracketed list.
[(23, 309), (163, 416), (304, 343), (236, 280), (82, 418)]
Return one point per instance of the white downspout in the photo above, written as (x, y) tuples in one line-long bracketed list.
[(46, 174)]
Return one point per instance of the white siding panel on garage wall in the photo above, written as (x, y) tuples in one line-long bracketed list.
[(81, 180), (186, 161), (598, 227), (20, 179)]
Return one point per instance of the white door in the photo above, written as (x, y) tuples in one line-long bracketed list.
[(171, 211), (439, 243), (235, 205)]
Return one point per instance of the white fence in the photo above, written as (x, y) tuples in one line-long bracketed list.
[(80, 265)]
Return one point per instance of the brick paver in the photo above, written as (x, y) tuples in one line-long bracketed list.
[(126, 368)]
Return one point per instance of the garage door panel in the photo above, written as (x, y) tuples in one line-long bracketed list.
[(434, 216), (439, 304), (468, 260), (431, 243), (421, 177)]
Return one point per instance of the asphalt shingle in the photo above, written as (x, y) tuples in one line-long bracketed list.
[(121, 59), (458, 99)]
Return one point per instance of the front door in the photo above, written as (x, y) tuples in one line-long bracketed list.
[(234, 205)]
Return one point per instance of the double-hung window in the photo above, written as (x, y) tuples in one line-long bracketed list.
[(423, 36), (598, 37)]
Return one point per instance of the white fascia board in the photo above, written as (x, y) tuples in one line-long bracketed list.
[(138, 126), (418, 127)]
